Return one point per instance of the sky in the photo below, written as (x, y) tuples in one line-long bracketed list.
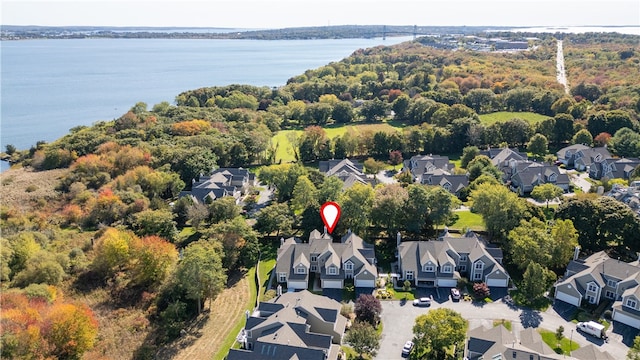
[(288, 13)]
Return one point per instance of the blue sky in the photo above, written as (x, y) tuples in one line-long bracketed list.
[(289, 13)]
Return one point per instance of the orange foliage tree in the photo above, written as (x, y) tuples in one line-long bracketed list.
[(188, 128)]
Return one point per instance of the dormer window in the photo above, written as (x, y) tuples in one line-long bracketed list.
[(479, 265), (301, 270), (447, 186), (612, 283), (429, 268), (553, 177), (446, 269), (463, 258), (282, 277), (632, 303), (592, 287), (314, 257), (332, 270), (348, 265)]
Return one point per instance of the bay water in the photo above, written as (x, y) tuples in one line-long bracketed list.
[(49, 86)]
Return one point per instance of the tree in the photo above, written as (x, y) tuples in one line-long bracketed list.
[(223, 209), (438, 331), (468, 154), (155, 222), (441, 205), (559, 333), (501, 209), (330, 189), (356, 203), (197, 213), (481, 290), (388, 204), (417, 205), (538, 145), (155, 259), (395, 157), (304, 195), (516, 131), (373, 110), (363, 338), (625, 143), (200, 272), (368, 309), (274, 218), (533, 241), (563, 128), (582, 137), (373, 167), (239, 242), (634, 351), (342, 112), (535, 281), (546, 192)]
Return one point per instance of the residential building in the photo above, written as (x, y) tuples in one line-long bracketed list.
[(331, 262), (500, 343), (610, 168), (221, 182), (582, 157), (295, 325), (598, 278), (442, 262), (436, 170), (349, 171), (525, 175), (629, 195), (504, 159)]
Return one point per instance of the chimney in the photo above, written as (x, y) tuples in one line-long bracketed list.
[(246, 314), (325, 231), (576, 252), (281, 241), (349, 231), (279, 290), (398, 238)]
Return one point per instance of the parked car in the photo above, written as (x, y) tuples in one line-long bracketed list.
[(455, 294), (423, 301), (406, 349)]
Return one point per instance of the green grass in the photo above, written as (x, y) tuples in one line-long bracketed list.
[(264, 272), (240, 322), (467, 219), (505, 323), (566, 345), (285, 150), (502, 116)]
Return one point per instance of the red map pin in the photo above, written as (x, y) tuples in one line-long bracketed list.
[(330, 214)]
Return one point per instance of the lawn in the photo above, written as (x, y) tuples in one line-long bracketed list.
[(285, 150), (566, 345), (506, 323), (468, 220), (502, 116), (264, 272)]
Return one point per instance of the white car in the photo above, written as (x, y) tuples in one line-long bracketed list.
[(406, 349), (423, 301)]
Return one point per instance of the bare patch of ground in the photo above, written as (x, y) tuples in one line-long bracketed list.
[(24, 186)]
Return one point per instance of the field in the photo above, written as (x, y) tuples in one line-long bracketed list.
[(532, 118), (285, 150), (468, 220)]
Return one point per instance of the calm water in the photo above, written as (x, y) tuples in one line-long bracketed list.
[(50, 86)]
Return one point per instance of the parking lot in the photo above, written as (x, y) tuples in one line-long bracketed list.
[(398, 318)]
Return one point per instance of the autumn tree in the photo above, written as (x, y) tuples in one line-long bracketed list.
[(155, 222), (239, 242), (372, 166), (368, 309), (437, 332)]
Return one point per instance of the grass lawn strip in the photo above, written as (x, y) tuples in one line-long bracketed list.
[(503, 116), (566, 345)]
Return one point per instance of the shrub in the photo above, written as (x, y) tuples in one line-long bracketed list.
[(31, 188), (481, 290), (607, 314)]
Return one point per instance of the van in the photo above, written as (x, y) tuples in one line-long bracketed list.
[(592, 328)]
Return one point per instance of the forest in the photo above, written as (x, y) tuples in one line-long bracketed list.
[(111, 263)]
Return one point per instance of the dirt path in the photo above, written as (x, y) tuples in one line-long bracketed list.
[(204, 339), (560, 72)]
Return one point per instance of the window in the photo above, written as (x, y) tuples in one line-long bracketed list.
[(592, 287), (463, 268), (332, 270), (446, 269), (314, 268), (429, 268), (348, 265), (314, 257), (477, 276), (282, 277), (409, 275), (591, 299), (301, 270), (612, 283), (479, 265), (610, 294), (463, 258), (632, 303)]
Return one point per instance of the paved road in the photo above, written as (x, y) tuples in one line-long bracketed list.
[(560, 72), (398, 320)]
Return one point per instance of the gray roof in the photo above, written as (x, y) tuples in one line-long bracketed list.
[(221, 182), (562, 153)]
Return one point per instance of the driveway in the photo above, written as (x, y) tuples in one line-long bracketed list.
[(398, 319), (579, 179)]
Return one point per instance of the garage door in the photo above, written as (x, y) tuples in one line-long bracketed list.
[(498, 282), (332, 284), (567, 298), (447, 282), (626, 319), (365, 283), (297, 285)]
